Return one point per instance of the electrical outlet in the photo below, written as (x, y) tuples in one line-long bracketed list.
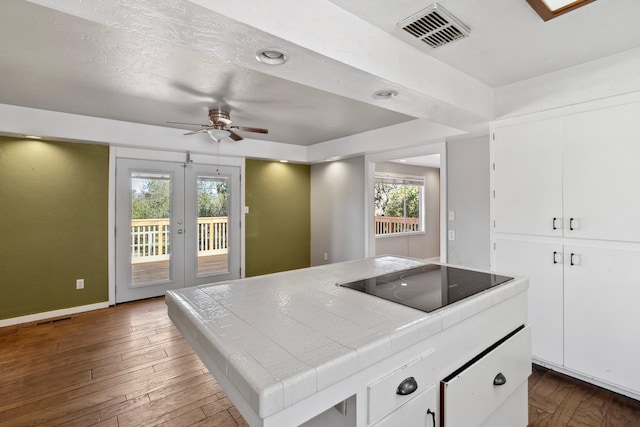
[(452, 235), (79, 283), (326, 256)]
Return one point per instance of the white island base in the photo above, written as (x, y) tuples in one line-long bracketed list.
[(294, 349)]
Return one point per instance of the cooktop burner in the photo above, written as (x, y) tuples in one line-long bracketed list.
[(429, 287)]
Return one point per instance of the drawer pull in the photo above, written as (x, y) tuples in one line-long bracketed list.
[(500, 379), (407, 386)]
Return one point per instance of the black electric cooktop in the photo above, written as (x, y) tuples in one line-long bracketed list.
[(429, 287)]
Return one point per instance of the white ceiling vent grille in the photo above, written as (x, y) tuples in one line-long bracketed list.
[(435, 26)]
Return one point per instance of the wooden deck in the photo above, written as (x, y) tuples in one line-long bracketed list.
[(144, 272)]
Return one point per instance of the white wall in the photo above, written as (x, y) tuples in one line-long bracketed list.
[(423, 245), (612, 76), (468, 193), (337, 211)]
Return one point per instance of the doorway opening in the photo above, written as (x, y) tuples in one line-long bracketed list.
[(406, 203)]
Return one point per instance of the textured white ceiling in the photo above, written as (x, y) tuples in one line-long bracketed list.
[(509, 42), (154, 61), (57, 61)]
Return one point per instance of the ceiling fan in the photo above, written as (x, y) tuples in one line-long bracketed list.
[(220, 127)]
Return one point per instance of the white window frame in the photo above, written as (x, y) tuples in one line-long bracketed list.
[(395, 178)]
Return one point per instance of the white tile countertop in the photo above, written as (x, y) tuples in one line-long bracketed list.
[(282, 337)]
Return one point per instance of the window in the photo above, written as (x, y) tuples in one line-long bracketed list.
[(549, 9), (398, 204)]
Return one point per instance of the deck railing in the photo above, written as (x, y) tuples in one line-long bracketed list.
[(390, 225), (150, 238)]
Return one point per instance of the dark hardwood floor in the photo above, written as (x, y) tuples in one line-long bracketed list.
[(128, 366), (558, 400)]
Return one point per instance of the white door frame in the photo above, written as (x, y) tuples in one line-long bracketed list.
[(370, 172), (134, 153)]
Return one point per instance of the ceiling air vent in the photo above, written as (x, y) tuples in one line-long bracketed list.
[(435, 26)]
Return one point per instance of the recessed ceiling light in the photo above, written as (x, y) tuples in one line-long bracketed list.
[(272, 56), (385, 94), (284, 161), (33, 137)]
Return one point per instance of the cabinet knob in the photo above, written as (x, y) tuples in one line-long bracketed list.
[(500, 379), (407, 386)]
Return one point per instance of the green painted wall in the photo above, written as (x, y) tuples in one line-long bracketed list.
[(278, 235), (53, 225)]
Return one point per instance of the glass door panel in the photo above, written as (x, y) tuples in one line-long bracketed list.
[(150, 227), (213, 225), (212, 212)]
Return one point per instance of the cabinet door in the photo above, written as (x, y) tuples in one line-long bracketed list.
[(528, 178), (601, 174), (602, 319), (419, 412), (537, 261)]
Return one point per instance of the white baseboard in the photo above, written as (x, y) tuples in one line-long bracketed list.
[(612, 387), (52, 314)]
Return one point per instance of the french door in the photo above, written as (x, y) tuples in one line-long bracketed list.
[(177, 225)]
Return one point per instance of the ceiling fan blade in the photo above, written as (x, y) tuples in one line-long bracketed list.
[(190, 124), (234, 136), (248, 129), (197, 131)]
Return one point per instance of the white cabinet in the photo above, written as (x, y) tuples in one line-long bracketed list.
[(383, 395), (574, 176), (601, 151), (602, 318), (542, 263), (528, 178), (582, 170), (419, 412), (471, 396)]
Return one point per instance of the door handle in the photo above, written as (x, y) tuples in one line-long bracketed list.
[(433, 416), (574, 259), (180, 231)]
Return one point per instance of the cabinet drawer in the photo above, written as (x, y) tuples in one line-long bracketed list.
[(382, 396), (470, 396), (419, 412)]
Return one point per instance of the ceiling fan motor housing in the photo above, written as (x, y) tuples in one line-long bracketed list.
[(219, 117)]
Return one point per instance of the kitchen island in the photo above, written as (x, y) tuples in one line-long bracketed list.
[(292, 348)]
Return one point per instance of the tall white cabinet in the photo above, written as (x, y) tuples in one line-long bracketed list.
[(566, 213)]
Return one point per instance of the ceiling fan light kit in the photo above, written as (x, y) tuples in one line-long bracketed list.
[(218, 134)]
